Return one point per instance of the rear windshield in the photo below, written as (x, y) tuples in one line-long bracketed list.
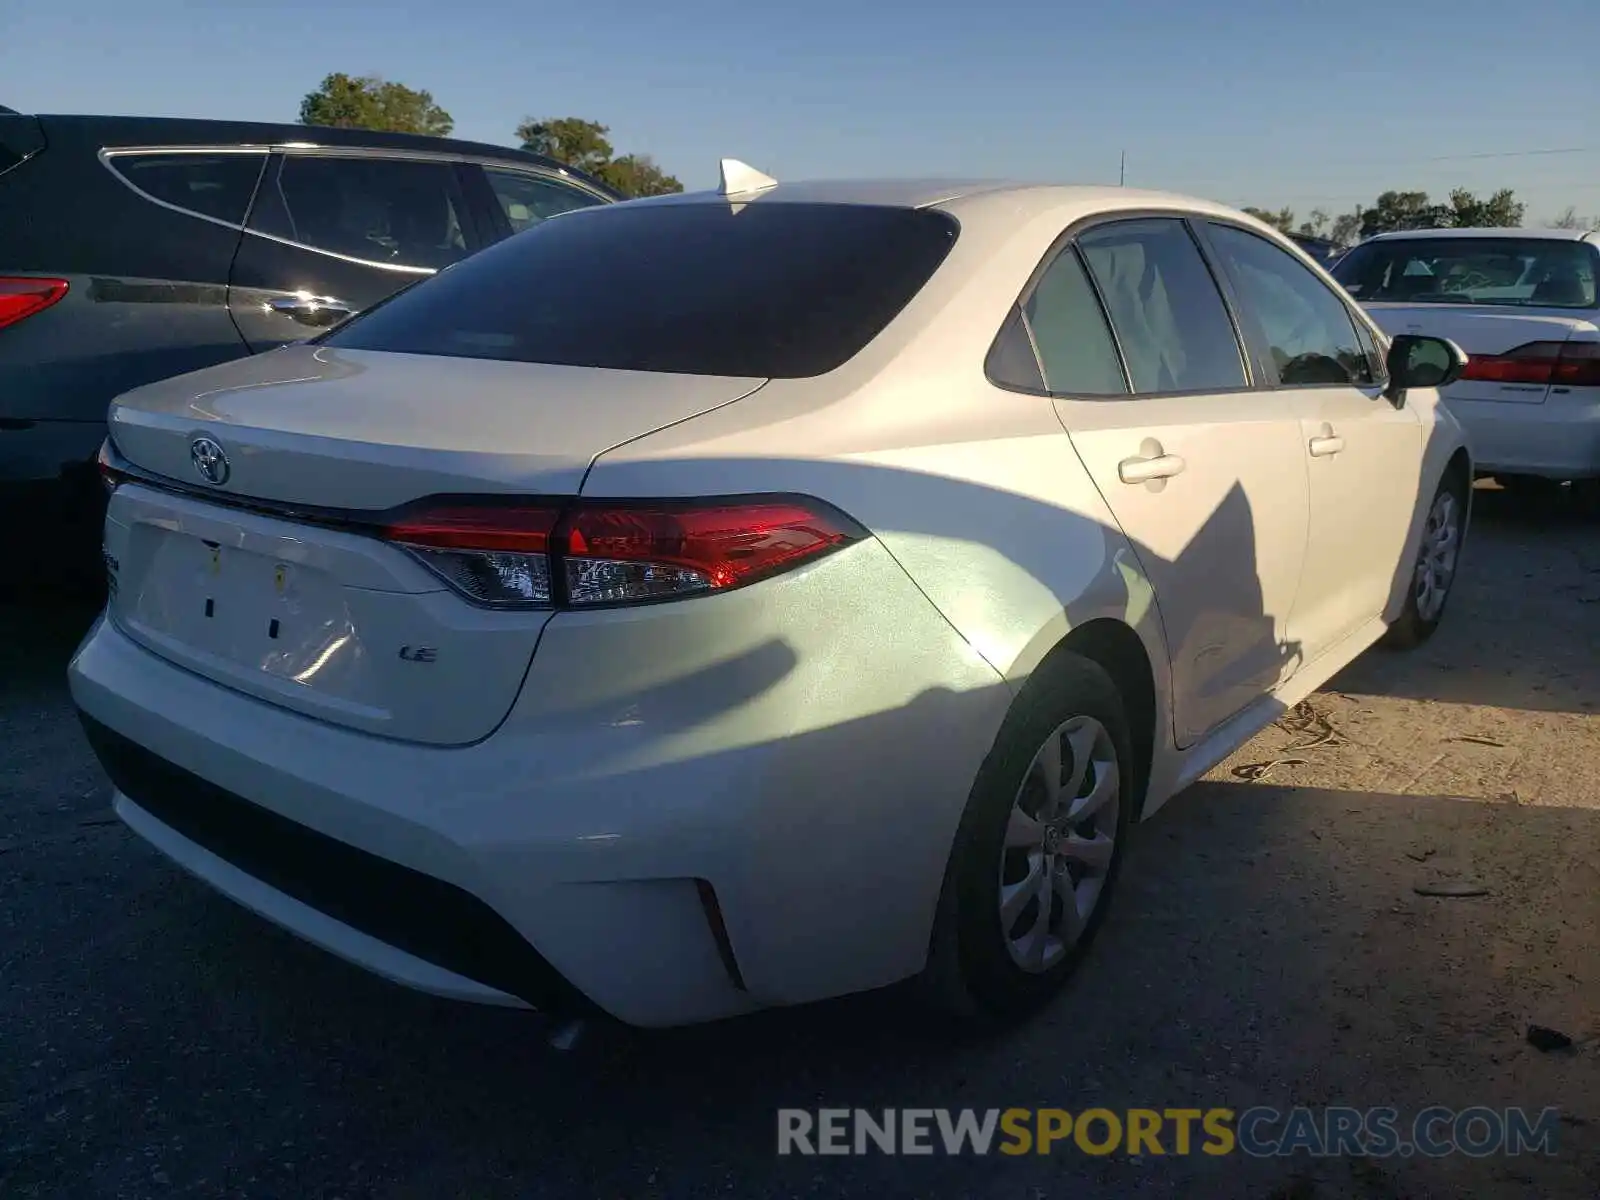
[(1530, 272), (768, 290)]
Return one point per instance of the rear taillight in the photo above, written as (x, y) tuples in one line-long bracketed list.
[(1562, 364), (1579, 365), (21, 298), (598, 553), (492, 553)]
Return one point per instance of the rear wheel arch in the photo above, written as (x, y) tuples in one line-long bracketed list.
[(1120, 652)]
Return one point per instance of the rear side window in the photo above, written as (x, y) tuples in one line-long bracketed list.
[(761, 290), (392, 211), (1308, 330), (215, 185), (1169, 316), (1527, 272), (1075, 346), (528, 199)]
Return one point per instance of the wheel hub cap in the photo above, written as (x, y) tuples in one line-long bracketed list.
[(1059, 843), (1436, 558)]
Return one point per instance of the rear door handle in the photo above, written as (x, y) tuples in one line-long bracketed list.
[(1143, 470), (1325, 445), (311, 310)]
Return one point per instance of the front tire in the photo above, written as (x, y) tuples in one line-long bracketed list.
[(1434, 571), (1038, 850)]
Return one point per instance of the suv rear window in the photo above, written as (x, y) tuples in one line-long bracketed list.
[(1528, 272), (761, 290)]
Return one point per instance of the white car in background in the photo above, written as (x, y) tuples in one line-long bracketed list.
[(1523, 304), (731, 600)]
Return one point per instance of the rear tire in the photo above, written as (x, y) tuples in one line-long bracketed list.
[(1433, 572), (998, 953)]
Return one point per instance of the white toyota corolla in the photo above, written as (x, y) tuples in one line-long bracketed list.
[(731, 600)]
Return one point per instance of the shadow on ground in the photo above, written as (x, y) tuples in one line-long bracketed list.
[(1268, 948)]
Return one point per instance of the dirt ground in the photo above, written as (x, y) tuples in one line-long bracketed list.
[(1269, 946)]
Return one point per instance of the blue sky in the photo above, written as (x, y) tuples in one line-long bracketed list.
[(1245, 101)]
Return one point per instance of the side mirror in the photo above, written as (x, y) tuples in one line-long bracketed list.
[(1422, 362)]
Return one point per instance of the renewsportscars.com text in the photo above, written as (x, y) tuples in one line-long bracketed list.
[(1259, 1132)]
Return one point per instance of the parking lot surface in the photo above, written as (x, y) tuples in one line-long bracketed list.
[(1269, 946)]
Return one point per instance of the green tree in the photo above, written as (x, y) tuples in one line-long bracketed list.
[(1404, 210), (638, 175), (570, 140), (369, 102), (1317, 226), (1282, 219), (586, 146), (1500, 211), (1346, 227)]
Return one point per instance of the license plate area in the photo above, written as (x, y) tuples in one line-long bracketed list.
[(253, 612)]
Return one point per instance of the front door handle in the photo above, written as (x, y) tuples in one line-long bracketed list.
[(311, 310), (1325, 443), (1151, 467)]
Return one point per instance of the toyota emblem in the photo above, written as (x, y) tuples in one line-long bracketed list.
[(210, 460)]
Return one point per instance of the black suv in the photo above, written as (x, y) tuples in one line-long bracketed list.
[(132, 249)]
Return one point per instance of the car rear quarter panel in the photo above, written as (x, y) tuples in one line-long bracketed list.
[(977, 492), (147, 287)]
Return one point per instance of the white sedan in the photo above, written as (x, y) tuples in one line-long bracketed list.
[(731, 600), (1524, 304)]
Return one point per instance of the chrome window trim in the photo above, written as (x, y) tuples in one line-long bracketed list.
[(107, 154), (315, 150), (1067, 241)]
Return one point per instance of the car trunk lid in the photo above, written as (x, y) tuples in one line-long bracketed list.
[(315, 426), (273, 579), (1491, 337)]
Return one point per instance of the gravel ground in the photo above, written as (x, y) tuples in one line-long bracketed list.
[(1268, 947)]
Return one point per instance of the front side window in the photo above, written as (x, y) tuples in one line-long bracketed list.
[(1169, 316), (1526, 272), (391, 211), (1308, 330), (760, 290), (528, 199), (216, 185)]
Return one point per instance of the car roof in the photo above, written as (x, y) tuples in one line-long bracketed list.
[(1553, 235), (123, 131), (944, 191)]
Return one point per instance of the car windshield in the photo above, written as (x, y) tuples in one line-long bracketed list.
[(759, 290), (1529, 272)]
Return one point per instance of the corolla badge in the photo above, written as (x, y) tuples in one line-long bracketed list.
[(210, 460)]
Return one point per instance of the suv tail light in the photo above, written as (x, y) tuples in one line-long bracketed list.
[(1561, 364), (20, 298), (590, 553)]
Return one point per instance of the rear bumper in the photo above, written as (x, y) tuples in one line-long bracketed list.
[(1559, 439), (807, 758)]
